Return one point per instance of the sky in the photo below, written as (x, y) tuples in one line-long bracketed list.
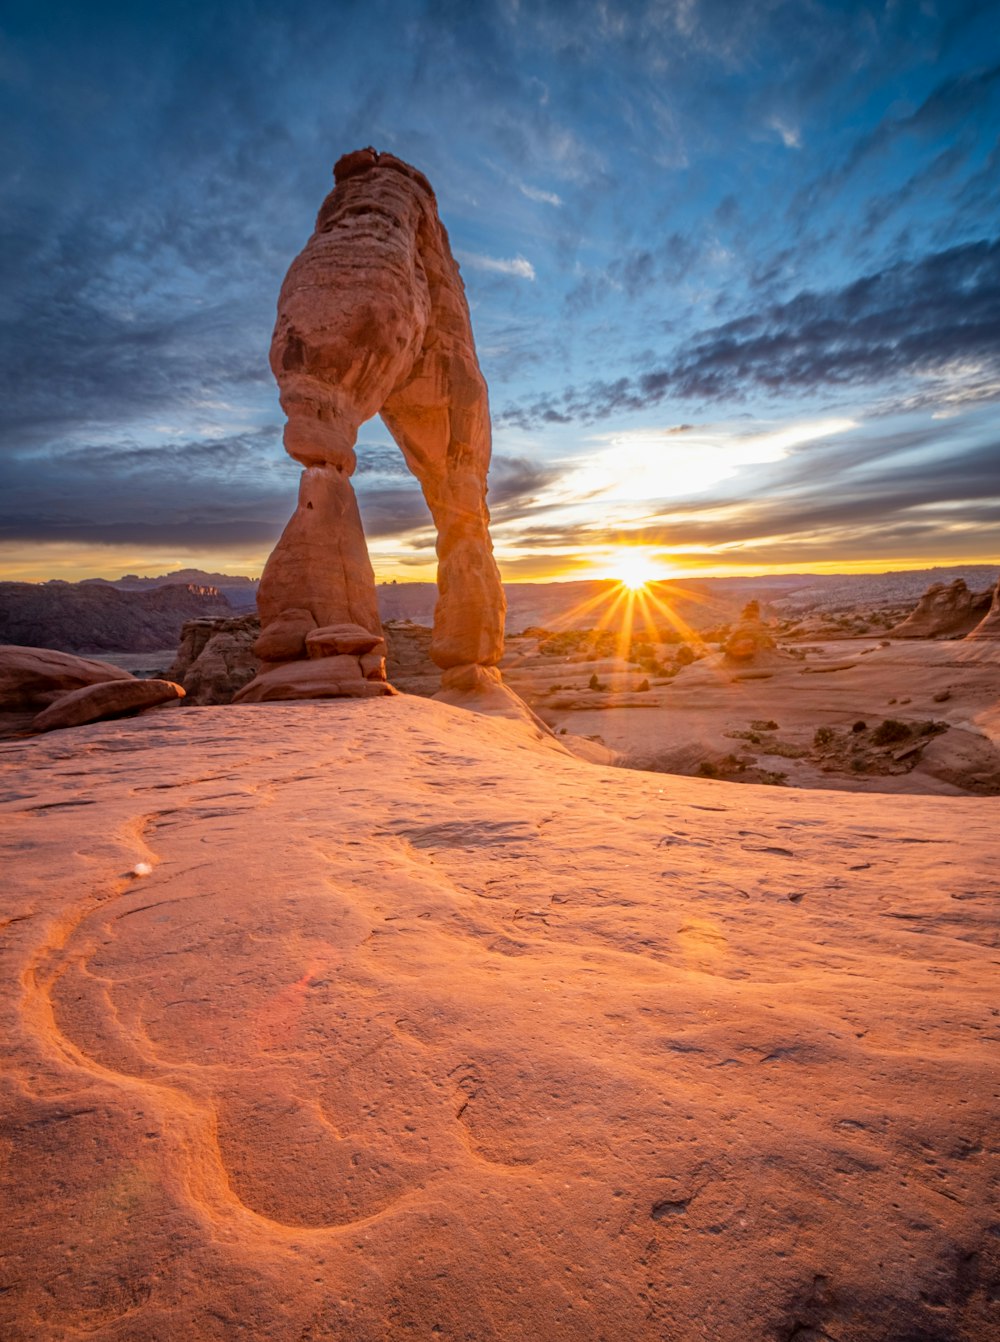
[(733, 269)]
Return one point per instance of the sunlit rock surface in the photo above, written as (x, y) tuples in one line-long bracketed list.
[(373, 319), (417, 1026), (946, 610)]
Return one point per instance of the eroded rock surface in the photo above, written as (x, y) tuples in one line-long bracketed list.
[(113, 699), (372, 319), (416, 1028), (34, 677), (216, 658), (946, 610), (990, 625)]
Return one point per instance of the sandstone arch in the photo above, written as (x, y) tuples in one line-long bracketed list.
[(373, 319)]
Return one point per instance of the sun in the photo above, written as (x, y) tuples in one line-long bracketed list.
[(633, 568)]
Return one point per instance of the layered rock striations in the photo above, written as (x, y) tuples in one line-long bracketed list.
[(946, 610), (373, 319)]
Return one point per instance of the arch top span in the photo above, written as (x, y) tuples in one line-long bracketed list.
[(373, 319)]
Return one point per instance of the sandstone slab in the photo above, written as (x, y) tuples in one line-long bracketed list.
[(33, 677), (318, 678), (113, 699), (334, 639), (414, 1028)]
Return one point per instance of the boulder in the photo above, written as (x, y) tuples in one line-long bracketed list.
[(112, 699), (284, 640), (318, 678), (334, 639), (34, 677), (946, 610)]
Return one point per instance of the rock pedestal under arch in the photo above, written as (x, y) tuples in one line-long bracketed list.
[(373, 319)]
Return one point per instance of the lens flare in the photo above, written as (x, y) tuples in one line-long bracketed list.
[(633, 569)]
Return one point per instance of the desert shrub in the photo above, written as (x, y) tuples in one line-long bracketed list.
[(706, 769), (764, 725), (858, 765), (889, 732), (535, 631), (684, 656), (860, 726), (823, 736), (643, 685), (593, 682), (595, 642)]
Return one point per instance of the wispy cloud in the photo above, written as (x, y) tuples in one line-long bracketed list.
[(517, 266), (536, 193)]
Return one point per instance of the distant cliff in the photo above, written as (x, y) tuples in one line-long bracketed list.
[(240, 592), (96, 617)]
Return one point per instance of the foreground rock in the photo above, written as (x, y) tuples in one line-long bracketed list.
[(946, 610), (34, 677), (113, 699), (419, 1029), (373, 319)]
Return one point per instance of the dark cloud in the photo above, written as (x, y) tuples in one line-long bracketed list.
[(911, 318)]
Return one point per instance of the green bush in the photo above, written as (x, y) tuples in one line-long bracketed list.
[(823, 736)]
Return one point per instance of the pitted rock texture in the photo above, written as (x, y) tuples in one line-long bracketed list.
[(373, 319), (216, 658), (946, 610)]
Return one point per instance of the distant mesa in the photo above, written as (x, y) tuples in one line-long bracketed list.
[(373, 319), (946, 610), (94, 616)]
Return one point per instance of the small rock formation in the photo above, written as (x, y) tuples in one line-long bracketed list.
[(373, 319), (35, 677), (946, 610), (112, 699), (216, 658), (749, 638), (989, 627)]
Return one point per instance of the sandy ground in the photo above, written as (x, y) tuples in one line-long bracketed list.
[(704, 717), (419, 1027)]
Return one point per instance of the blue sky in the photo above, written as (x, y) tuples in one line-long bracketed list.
[(734, 273)]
